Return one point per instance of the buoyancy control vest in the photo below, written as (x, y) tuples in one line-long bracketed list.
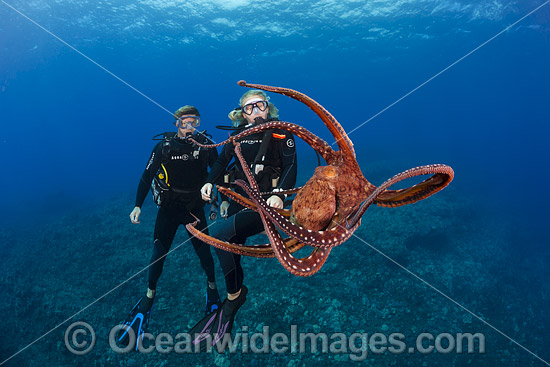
[(161, 188)]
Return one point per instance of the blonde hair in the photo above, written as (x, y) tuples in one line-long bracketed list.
[(237, 114)]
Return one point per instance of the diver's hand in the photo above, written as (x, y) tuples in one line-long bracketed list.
[(275, 202), (223, 209), (206, 192), (134, 215), (258, 168)]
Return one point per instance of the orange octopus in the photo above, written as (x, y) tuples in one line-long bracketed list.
[(328, 208)]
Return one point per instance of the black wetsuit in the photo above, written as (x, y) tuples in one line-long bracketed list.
[(186, 167), (243, 223)]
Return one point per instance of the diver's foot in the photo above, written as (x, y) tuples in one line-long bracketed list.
[(230, 308), (213, 327), (137, 322)]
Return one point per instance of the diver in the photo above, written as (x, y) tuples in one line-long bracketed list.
[(175, 172), (272, 159)]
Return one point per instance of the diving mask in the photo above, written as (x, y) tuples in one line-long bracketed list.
[(188, 121)]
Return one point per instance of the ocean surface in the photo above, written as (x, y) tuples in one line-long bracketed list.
[(84, 85)]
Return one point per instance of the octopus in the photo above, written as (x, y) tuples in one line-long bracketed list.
[(327, 210)]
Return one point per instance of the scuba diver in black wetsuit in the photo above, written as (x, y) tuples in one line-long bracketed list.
[(177, 168), (272, 156)]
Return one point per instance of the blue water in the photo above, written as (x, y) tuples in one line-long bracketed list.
[(74, 141)]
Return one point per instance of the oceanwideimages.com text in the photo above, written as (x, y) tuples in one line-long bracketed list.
[(357, 345)]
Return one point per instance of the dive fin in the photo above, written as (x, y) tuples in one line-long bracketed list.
[(212, 328), (137, 320)]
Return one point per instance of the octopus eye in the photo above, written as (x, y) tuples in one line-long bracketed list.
[(330, 172)]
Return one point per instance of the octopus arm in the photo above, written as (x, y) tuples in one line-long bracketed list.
[(283, 192), (422, 190), (304, 267), (262, 251), (318, 144), (442, 176), (246, 202)]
